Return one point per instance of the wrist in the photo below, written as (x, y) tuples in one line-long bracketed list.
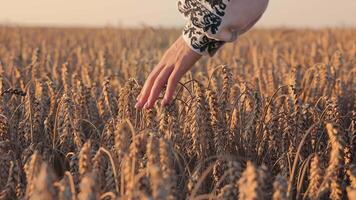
[(199, 42)]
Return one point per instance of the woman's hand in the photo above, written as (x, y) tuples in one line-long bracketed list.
[(176, 61)]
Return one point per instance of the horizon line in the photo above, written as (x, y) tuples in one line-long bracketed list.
[(143, 25)]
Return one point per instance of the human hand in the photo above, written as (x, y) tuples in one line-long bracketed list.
[(176, 61)]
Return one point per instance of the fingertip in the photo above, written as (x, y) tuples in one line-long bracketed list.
[(167, 99), (164, 102), (148, 104), (138, 105), (142, 99)]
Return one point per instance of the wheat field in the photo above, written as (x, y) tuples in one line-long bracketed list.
[(272, 116)]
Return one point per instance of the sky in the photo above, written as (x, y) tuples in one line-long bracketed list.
[(292, 13)]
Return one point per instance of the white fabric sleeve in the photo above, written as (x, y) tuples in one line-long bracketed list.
[(204, 18)]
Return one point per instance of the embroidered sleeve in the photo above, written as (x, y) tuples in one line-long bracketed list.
[(204, 17), (199, 42)]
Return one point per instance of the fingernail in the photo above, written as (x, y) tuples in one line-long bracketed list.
[(137, 105), (164, 101), (146, 105), (149, 104)]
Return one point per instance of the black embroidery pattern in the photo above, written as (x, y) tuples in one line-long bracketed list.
[(200, 42), (219, 6), (205, 17), (201, 16)]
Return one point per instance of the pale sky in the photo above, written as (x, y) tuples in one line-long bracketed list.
[(294, 13)]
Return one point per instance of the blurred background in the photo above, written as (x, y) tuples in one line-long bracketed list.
[(291, 13)]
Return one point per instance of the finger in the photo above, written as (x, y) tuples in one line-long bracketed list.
[(160, 81), (171, 85), (150, 80), (138, 97), (146, 89)]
